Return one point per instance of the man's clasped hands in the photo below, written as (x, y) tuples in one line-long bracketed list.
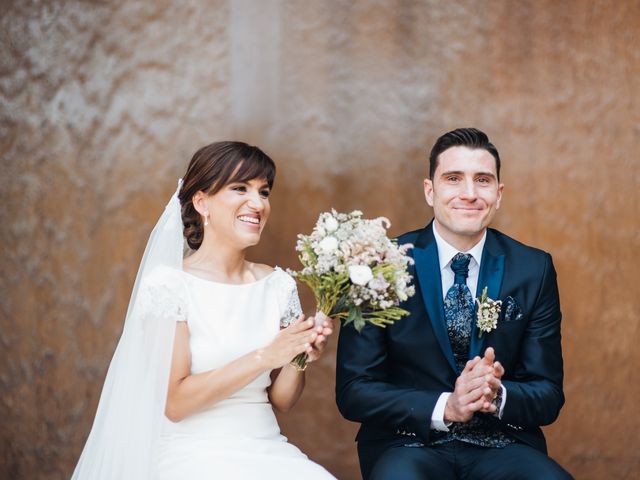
[(475, 388)]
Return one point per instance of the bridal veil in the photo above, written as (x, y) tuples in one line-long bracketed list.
[(125, 434)]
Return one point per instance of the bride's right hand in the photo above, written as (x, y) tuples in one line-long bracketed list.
[(290, 341)]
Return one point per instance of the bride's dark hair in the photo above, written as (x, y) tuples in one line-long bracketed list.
[(211, 168)]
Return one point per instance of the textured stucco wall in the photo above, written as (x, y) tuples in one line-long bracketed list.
[(102, 104)]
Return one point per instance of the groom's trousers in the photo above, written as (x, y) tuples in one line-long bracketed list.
[(457, 460)]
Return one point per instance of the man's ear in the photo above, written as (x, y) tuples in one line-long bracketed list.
[(428, 191), (499, 200)]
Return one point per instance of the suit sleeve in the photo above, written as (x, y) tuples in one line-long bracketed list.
[(535, 393), (363, 393)]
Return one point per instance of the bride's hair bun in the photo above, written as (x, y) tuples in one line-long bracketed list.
[(213, 167)]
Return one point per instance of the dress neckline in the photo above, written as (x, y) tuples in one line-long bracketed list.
[(255, 282)]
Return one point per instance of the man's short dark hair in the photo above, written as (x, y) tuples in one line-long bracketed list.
[(462, 137)]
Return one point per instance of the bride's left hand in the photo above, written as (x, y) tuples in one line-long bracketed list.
[(323, 332)]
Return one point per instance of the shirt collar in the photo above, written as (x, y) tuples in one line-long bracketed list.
[(446, 252)]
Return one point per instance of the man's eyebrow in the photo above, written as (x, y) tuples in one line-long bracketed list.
[(476, 174), (486, 174)]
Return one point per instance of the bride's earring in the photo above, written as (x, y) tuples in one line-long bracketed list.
[(206, 219)]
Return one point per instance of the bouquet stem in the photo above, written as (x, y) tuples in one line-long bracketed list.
[(300, 362)]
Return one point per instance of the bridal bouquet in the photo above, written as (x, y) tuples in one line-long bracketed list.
[(356, 273)]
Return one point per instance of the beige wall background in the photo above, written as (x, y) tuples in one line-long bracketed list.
[(103, 103)]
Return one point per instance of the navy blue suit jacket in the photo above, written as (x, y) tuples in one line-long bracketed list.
[(389, 379)]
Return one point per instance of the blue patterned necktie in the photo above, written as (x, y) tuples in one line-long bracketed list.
[(459, 310)]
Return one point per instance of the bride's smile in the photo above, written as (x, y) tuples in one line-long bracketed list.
[(252, 219)]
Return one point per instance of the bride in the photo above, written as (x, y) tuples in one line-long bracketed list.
[(205, 353)]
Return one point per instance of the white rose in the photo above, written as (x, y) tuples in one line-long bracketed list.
[(331, 224), (360, 274), (328, 244)]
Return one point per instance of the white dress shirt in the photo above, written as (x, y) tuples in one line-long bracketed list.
[(446, 252)]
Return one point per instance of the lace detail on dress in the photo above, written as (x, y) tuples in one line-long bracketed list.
[(288, 299), (293, 308), (163, 301), (163, 296)]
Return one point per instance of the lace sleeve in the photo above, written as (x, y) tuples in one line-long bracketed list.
[(290, 308), (163, 296), (293, 308)]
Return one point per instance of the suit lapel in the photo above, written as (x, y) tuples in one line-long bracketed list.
[(490, 276), (425, 254)]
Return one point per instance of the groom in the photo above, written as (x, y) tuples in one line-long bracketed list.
[(437, 396)]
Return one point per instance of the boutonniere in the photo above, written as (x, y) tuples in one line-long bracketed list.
[(488, 312)]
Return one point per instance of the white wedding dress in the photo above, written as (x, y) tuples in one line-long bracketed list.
[(239, 437)]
